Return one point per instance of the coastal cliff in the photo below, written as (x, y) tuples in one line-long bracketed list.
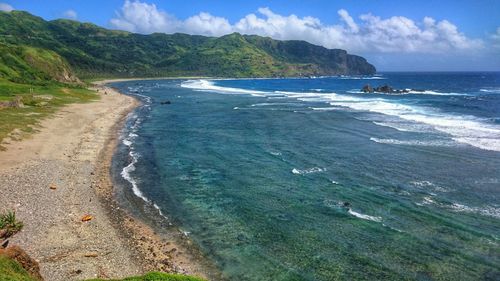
[(92, 51)]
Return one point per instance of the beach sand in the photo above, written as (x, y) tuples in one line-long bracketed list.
[(62, 173)]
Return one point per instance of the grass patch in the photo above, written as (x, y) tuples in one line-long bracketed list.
[(10, 270), (156, 276), (39, 102)]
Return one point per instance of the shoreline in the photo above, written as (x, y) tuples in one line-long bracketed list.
[(73, 152), (166, 250)]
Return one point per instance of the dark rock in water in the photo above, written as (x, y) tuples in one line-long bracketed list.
[(346, 205), (166, 102), (384, 89), (241, 237), (367, 89)]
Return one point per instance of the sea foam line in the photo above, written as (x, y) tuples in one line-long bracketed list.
[(365, 217), (308, 171), (491, 90), (412, 142), (126, 172)]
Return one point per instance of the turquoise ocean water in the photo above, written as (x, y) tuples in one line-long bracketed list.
[(309, 179)]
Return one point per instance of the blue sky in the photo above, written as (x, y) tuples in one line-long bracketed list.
[(394, 35)]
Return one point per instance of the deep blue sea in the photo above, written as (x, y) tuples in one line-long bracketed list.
[(310, 179)]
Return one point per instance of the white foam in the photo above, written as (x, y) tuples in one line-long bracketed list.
[(429, 185), (427, 200), (126, 174), (325, 108), (355, 92), (159, 211), (405, 126), (464, 129), (207, 85), (412, 142), (145, 98), (434, 93), (365, 217), (485, 211), (491, 90), (308, 171)]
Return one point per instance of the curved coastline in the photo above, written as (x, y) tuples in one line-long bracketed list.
[(159, 243)]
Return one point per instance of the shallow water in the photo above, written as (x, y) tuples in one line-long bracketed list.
[(258, 173)]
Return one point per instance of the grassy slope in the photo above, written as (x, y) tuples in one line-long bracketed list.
[(10, 270)]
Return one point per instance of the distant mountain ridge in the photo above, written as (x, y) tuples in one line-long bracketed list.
[(93, 51)]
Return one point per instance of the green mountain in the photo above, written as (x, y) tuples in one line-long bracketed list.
[(29, 65), (92, 51)]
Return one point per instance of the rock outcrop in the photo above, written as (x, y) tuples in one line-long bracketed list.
[(385, 89)]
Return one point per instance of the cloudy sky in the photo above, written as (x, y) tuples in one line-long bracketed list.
[(443, 35)]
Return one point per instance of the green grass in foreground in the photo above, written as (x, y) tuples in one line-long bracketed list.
[(10, 270), (39, 102), (157, 276)]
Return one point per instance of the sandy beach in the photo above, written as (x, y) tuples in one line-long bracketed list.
[(61, 174)]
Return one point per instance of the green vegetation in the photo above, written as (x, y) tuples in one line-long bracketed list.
[(11, 270), (93, 51), (9, 225), (29, 65), (157, 276)]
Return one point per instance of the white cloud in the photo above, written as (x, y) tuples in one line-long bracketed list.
[(496, 38), (370, 34), (344, 15), (205, 23), (6, 7), (70, 14), (142, 17)]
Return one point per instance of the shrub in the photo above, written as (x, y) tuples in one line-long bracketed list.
[(9, 225)]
